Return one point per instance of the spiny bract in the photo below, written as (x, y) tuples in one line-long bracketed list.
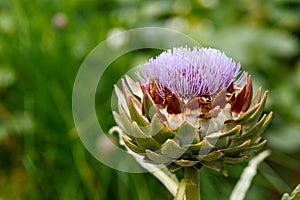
[(192, 107)]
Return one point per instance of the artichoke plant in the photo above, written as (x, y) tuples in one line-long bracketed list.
[(192, 108)]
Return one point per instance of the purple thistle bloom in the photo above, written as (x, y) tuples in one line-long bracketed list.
[(191, 73)]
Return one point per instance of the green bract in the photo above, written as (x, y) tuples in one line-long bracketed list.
[(215, 139)]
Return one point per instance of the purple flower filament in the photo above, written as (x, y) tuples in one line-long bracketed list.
[(191, 73)]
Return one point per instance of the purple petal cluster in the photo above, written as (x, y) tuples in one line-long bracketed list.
[(190, 73)]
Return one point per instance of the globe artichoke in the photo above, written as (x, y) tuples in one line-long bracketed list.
[(192, 107)]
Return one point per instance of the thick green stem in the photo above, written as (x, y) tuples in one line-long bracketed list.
[(192, 190)]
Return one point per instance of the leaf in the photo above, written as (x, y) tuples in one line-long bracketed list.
[(187, 134), (242, 186), (118, 120), (124, 121), (220, 99), (243, 99), (216, 165), (253, 148), (135, 113), (159, 131), (234, 131), (255, 131), (256, 98), (134, 87), (173, 167), (133, 147), (121, 98), (229, 124), (217, 141), (157, 158), (134, 105), (186, 163), (202, 147), (255, 117), (231, 160), (238, 148), (172, 150), (214, 155), (149, 108), (143, 140)]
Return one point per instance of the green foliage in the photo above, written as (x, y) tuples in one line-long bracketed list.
[(295, 195), (42, 44)]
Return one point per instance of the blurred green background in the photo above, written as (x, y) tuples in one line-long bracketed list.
[(42, 44)]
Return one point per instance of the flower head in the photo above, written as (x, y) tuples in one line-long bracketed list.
[(190, 73), (192, 107)]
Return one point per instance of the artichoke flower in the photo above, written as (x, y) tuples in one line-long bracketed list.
[(192, 108)]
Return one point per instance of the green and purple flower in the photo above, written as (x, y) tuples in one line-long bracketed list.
[(192, 108)]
